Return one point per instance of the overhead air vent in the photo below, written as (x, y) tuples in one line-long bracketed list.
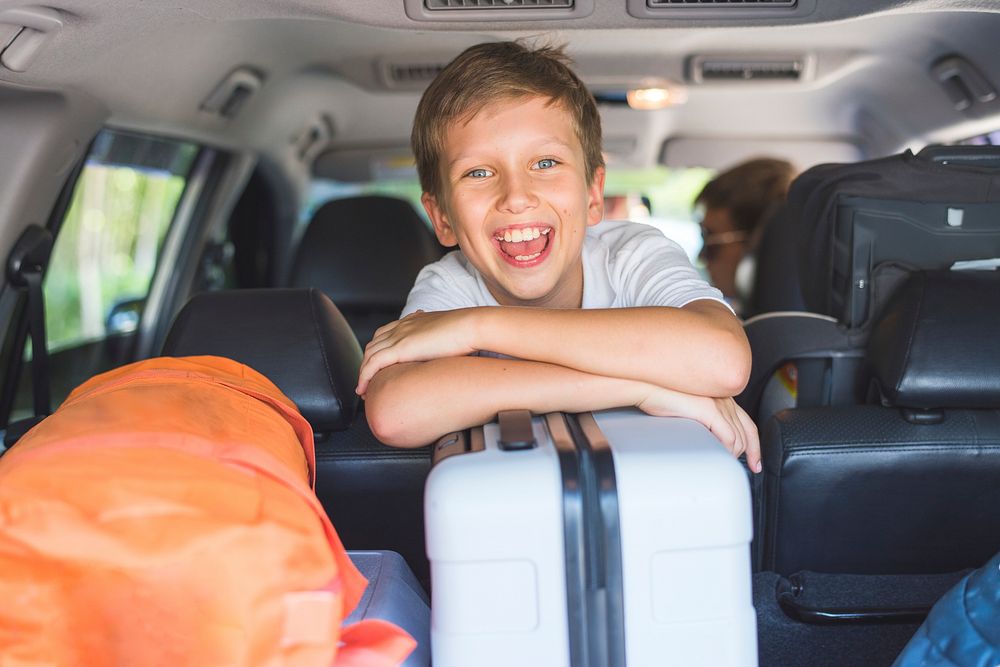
[(409, 74), (497, 10), (722, 10), (719, 3), (709, 69), (445, 5), (404, 75)]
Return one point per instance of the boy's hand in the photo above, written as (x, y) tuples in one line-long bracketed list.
[(419, 336), (722, 416)]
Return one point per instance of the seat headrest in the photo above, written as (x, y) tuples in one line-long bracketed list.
[(364, 251), (296, 337), (936, 343)]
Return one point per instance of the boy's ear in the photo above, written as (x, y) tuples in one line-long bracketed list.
[(445, 234), (595, 198)]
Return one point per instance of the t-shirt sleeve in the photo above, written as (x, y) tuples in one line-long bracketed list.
[(649, 269), (440, 286)]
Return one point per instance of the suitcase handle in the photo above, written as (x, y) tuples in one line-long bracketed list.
[(515, 430)]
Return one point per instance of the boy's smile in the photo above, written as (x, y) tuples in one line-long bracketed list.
[(523, 245), (516, 199)]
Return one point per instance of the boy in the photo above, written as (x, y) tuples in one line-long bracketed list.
[(508, 147)]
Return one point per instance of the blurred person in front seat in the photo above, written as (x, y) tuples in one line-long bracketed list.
[(733, 208)]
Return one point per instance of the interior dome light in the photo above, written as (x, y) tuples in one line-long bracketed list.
[(655, 98)]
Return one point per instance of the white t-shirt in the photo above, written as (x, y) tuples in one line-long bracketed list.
[(625, 265)]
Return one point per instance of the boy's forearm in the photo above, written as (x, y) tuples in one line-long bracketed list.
[(700, 349), (412, 404)]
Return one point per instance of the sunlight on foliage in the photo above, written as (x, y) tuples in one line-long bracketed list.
[(107, 248)]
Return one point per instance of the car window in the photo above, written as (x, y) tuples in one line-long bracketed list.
[(661, 197), (988, 139), (658, 196), (108, 243), (105, 255), (322, 190)]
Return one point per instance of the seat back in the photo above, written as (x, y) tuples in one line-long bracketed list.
[(364, 253), (372, 493), (776, 283), (910, 483), (858, 231)]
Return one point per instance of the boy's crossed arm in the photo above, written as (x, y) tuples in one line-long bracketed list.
[(686, 362), (698, 349)]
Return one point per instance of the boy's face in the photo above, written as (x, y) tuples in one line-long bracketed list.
[(516, 200)]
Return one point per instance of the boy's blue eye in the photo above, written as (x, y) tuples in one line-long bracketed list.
[(478, 173), (546, 163)]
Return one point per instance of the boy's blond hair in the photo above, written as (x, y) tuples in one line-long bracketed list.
[(488, 73)]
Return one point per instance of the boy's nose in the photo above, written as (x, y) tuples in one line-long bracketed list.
[(516, 195)]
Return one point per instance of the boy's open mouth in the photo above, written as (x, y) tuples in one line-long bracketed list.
[(523, 246)]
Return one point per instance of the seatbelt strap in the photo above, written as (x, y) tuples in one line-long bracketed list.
[(25, 267), (39, 351)]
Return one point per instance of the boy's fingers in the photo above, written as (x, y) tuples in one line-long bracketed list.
[(744, 440), (374, 347), (723, 430), (384, 329), (363, 379), (372, 365), (739, 437), (739, 443), (753, 443), (362, 387), (380, 336)]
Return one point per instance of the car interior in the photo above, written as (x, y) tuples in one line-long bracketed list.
[(234, 177)]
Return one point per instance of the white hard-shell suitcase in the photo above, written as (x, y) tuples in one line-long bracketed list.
[(607, 539)]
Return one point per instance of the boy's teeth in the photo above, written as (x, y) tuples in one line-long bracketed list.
[(521, 235), (525, 258)]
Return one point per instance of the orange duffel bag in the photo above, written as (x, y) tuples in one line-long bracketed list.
[(164, 515)]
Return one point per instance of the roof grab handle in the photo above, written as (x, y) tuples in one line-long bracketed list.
[(35, 26), (233, 91), (965, 86)]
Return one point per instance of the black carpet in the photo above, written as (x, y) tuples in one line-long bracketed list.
[(784, 642)]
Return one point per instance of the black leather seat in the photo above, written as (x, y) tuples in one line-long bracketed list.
[(297, 338), (776, 276), (364, 253), (910, 484), (851, 233)]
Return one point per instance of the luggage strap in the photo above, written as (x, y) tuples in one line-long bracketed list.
[(594, 585)]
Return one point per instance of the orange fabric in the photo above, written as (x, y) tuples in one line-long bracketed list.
[(164, 516), (373, 644)]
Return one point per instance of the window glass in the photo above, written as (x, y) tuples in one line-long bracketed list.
[(107, 246), (105, 255), (657, 196), (660, 197), (988, 139), (323, 190)]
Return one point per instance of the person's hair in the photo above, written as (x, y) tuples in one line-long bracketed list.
[(487, 73), (749, 190)]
